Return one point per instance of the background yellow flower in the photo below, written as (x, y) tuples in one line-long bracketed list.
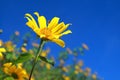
[(1, 51), (18, 73)]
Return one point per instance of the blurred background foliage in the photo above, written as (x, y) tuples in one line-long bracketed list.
[(13, 59)]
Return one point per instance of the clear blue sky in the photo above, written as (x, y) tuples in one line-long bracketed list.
[(95, 22)]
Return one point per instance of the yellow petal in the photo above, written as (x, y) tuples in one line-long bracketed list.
[(58, 27), (2, 50), (1, 56), (37, 14), (42, 22), (59, 42), (36, 29), (53, 22), (57, 36), (32, 21), (13, 68), (28, 19), (62, 29), (48, 66), (66, 32), (7, 64), (30, 24)]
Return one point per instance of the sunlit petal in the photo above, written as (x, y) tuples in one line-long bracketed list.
[(30, 24), (59, 42), (66, 32), (62, 29), (30, 18), (37, 14), (53, 22), (42, 22), (2, 50), (58, 27)]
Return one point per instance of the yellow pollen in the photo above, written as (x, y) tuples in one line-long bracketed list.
[(46, 32)]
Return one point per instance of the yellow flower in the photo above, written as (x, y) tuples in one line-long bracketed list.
[(77, 67), (51, 32), (19, 64), (45, 53), (65, 69), (18, 73), (76, 72), (23, 49), (9, 46), (2, 50), (94, 76), (48, 66), (88, 70), (66, 77), (80, 63), (1, 55), (1, 42)]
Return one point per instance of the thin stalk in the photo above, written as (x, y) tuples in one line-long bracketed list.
[(36, 57)]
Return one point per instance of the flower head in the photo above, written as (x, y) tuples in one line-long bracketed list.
[(18, 73), (45, 53), (66, 77), (1, 42), (48, 66), (94, 76), (1, 51), (51, 31), (9, 46)]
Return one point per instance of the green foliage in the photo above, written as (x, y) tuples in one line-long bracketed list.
[(9, 56), (9, 78), (23, 58), (47, 60)]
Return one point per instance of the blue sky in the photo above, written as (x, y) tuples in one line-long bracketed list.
[(94, 22)]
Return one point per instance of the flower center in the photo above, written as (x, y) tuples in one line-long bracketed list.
[(45, 32), (14, 75)]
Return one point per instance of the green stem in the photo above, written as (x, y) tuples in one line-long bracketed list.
[(36, 57)]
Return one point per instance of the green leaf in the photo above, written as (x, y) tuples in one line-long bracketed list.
[(9, 55), (23, 58), (9, 78), (47, 60)]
